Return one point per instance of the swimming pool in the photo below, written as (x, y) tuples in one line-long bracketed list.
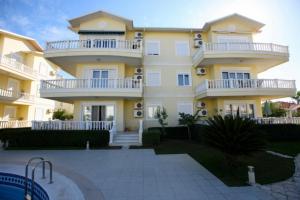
[(12, 188)]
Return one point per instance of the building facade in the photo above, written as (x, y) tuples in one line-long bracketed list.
[(123, 73), (22, 66)]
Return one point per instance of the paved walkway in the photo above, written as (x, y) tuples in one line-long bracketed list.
[(137, 175), (289, 189)]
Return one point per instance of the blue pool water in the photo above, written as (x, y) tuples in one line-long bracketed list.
[(12, 188)]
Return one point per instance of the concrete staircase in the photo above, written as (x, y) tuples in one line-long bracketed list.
[(126, 139)]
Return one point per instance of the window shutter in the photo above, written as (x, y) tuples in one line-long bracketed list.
[(153, 79)]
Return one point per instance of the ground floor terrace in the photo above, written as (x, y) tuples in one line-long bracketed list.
[(127, 174)]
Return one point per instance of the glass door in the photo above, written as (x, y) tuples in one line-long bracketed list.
[(236, 79)]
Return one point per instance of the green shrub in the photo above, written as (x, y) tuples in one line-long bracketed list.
[(25, 137), (281, 132), (151, 138)]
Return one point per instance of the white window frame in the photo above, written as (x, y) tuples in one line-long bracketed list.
[(151, 105), (182, 42), (147, 78), (184, 73), (185, 103), (146, 47)]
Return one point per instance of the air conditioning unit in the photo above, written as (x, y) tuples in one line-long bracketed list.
[(138, 35), (201, 71), (198, 43), (138, 77), (138, 113), (138, 105), (201, 104), (203, 113), (52, 73), (197, 36), (138, 70)]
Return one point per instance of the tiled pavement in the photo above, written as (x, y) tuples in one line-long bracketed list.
[(137, 175)]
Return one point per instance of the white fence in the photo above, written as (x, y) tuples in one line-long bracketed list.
[(16, 95), (240, 47), (278, 120), (15, 65), (94, 44), (116, 83), (72, 125), (246, 83), (14, 124)]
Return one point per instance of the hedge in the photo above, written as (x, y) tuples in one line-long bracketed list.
[(281, 132), (151, 138), (25, 137)]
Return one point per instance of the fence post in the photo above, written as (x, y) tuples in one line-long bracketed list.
[(141, 128)]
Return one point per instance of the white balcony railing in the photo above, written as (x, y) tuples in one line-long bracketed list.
[(94, 44), (91, 84), (20, 96), (72, 125), (14, 124), (245, 84), (17, 66), (277, 120), (240, 48)]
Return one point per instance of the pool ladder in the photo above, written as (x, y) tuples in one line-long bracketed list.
[(30, 196)]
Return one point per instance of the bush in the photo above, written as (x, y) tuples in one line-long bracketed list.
[(281, 132), (25, 137), (151, 138)]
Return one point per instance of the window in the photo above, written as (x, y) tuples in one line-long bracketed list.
[(182, 48), (151, 110), (186, 108), (152, 48), (183, 79), (246, 110), (236, 80), (153, 79)]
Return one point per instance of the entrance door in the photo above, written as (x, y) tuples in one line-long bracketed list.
[(103, 78), (98, 113), (236, 79)]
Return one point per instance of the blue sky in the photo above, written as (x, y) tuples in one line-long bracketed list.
[(47, 19)]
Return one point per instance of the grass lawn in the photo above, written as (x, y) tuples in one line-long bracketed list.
[(268, 168), (288, 148)]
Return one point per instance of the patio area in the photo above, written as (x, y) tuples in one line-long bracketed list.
[(136, 174)]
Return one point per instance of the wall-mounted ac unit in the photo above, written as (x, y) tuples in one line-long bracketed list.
[(138, 105), (138, 35), (201, 71), (198, 43), (138, 77), (201, 104), (203, 113), (197, 36), (138, 113), (138, 70)]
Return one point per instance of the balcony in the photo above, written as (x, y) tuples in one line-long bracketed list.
[(17, 69), (16, 97), (67, 53), (246, 87), (266, 55), (71, 89)]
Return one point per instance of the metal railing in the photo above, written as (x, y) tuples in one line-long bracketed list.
[(115, 83), (245, 84), (15, 124), (240, 47), (94, 44), (17, 66)]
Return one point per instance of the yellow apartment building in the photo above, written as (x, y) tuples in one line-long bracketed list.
[(123, 73), (22, 66)]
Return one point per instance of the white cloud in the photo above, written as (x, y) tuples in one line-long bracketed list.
[(20, 20), (56, 33)]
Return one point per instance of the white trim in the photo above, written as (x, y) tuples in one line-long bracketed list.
[(184, 73), (147, 78), (182, 42), (152, 41), (152, 104)]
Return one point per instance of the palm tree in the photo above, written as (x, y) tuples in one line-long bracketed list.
[(188, 120), (234, 136)]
